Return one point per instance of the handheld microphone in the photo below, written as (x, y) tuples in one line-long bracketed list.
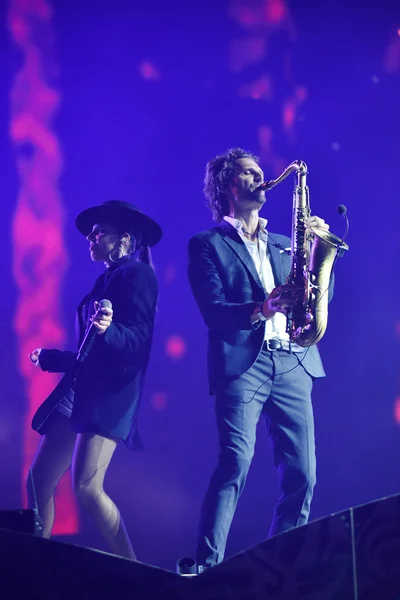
[(91, 334)]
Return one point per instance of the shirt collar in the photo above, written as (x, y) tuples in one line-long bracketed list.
[(237, 224)]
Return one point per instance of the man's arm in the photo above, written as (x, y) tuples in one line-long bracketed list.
[(208, 291)]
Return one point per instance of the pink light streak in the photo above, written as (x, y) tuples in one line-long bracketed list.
[(39, 260), (260, 89), (391, 62), (260, 21), (397, 410), (250, 14)]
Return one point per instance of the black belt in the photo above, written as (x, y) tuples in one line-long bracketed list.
[(274, 344)]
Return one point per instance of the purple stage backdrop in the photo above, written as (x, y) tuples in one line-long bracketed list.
[(128, 100)]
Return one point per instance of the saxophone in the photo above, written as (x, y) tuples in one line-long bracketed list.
[(313, 255)]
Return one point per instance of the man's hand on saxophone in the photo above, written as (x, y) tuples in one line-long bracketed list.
[(280, 298), (315, 222)]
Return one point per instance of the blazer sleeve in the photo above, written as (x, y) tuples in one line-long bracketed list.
[(56, 361), (129, 336), (207, 288)]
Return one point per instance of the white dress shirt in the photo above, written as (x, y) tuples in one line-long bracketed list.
[(275, 327)]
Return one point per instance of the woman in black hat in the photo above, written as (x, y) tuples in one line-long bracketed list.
[(96, 403)]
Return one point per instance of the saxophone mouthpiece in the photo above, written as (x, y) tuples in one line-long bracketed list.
[(267, 185)]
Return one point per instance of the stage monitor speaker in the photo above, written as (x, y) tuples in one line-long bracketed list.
[(351, 555), (34, 568), (22, 521)]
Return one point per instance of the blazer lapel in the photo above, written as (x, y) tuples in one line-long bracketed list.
[(280, 262), (232, 238)]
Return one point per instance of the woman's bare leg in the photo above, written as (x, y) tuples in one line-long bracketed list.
[(90, 461), (53, 457)]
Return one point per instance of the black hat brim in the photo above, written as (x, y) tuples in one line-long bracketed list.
[(134, 220)]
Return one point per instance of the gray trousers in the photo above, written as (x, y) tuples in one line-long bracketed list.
[(284, 397)]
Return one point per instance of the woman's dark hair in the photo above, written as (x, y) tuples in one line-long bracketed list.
[(137, 249), (219, 177)]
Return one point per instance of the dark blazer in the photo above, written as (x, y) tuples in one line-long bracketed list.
[(109, 383), (227, 288)]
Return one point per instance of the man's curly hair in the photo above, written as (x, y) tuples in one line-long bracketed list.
[(219, 177)]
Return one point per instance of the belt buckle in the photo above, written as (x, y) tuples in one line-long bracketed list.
[(274, 344)]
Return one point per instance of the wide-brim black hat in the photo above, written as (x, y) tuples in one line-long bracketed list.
[(124, 215)]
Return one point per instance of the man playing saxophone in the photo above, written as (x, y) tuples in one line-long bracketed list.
[(238, 274)]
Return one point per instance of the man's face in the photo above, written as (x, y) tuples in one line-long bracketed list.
[(247, 178), (103, 238)]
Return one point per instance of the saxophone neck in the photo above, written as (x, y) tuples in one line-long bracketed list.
[(297, 166), (301, 167)]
